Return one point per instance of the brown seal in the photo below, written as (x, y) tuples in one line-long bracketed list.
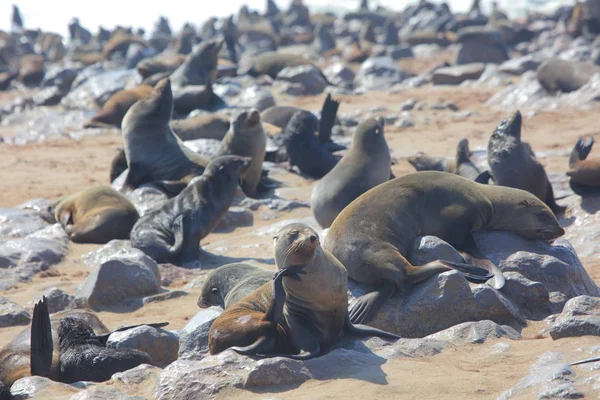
[(207, 126), (117, 105), (365, 166), (584, 172), (153, 151), (373, 235), (461, 165), (96, 215), (119, 43), (246, 138), (513, 163), (560, 75), (161, 63), (271, 63), (298, 317)]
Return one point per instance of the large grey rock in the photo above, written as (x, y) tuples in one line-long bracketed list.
[(481, 49), (254, 97), (146, 198), (11, 314), (96, 90), (57, 299), (277, 371), (379, 73), (580, 317), (194, 336), (339, 74), (412, 348), (117, 280), (531, 297), (39, 387), (475, 332), (102, 392), (161, 345), (308, 76), (519, 65), (116, 249), (456, 75), (137, 375), (18, 223), (61, 77), (426, 249)]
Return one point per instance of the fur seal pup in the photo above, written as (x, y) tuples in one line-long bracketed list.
[(172, 233), (557, 75), (246, 138), (153, 151), (373, 235), (211, 126), (584, 172), (96, 215), (297, 317), (230, 283), (513, 163), (461, 165), (117, 105), (364, 166)]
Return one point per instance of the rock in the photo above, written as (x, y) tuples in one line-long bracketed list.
[(456, 75), (18, 223), (96, 90), (519, 65), (531, 297), (431, 248), (137, 375), (290, 89), (103, 393), (206, 147), (48, 97), (57, 300), (408, 105), (117, 280), (277, 371), (444, 106), (39, 387), (500, 348), (234, 218), (405, 120), (347, 362), (255, 97), (379, 73), (308, 76), (339, 74), (412, 348), (580, 317), (173, 294), (115, 249), (400, 52), (11, 314), (146, 198), (62, 77), (193, 342), (481, 47), (161, 345), (475, 332)]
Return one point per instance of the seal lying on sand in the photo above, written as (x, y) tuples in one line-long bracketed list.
[(560, 75), (461, 165), (295, 317), (153, 151), (584, 172), (96, 215), (172, 233), (373, 235), (365, 166), (514, 164)]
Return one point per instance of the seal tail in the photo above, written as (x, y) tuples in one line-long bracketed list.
[(41, 340), (463, 155), (328, 115), (588, 360), (581, 151)]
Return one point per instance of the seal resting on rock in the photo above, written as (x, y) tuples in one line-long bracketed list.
[(366, 165), (373, 235), (584, 172), (206, 126), (297, 317), (461, 165), (272, 63), (153, 151), (246, 138), (172, 233), (117, 105), (96, 215), (514, 164)]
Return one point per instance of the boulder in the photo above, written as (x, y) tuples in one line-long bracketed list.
[(309, 76), (580, 317), (254, 97), (38, 387), (11, 314), (97, 89), (57, 299), (456, 75), (475, 332), (379, 73), (194, 336), (475, 51), (339, 74), (161, 345)]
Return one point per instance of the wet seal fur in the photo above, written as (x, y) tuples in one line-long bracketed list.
[(364, 166), (153, 151), (373, 235), (172, 233), (246, 138), (513, 163), (584, 173), (230, 283), (298, 317), (96, 215)]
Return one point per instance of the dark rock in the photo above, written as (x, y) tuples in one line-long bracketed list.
[(580, 317), (57, 300), (62, 77), (400, 52), (11, 314), (308, 76), (457, 74), (474, 51), (519, 65), (339, 74), (379, 73), (161, 345)]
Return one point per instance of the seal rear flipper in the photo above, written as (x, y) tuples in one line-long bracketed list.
[(364, 330), (588, 360), (483, 178), (41, 340), (580, 151), (262, 346), (328, 115), (473, 273), (365, 307)]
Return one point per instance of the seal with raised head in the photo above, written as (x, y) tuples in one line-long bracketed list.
[(96, 215), (364, 166), (230, 283), (172, 233), (297, 317), (153, 151), (246, 138), (373, 235), (584, 173), (513, 163), (117, 105)]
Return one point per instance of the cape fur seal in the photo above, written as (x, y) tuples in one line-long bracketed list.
[(298, 317), (365, 166), (172, 233), (96, 215), (246, 138), (513, 163), (117, 105), (584, 172), (272, 63), (153, 151), (373, 235), (461, 165), (210, 126), (560, 75)]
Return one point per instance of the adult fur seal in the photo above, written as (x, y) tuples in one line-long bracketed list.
[(560, 75), (80, 355), (514, 164), (365, 166), (96, 215), (153, 151), (373, 235), (584, 172), (117, 105), (461, 165), (272, 63), (211, 126), (172, 233), (296, 317), (230, 283), (246, 138)]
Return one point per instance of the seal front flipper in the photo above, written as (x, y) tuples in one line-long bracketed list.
[(364, 330), (588, 360), (328, 115), (366, 305), (41, 340)]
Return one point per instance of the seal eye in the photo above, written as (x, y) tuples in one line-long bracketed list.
[(294, 233), (214, 290)]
